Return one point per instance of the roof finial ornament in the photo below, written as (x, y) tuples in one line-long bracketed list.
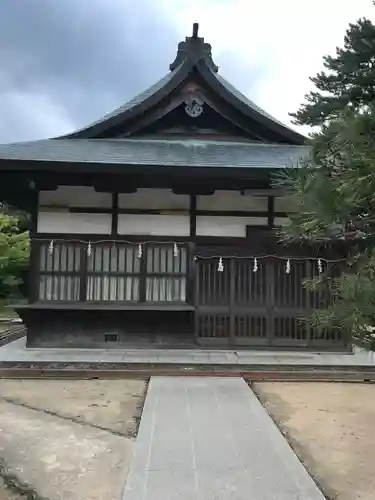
[(193, 50)]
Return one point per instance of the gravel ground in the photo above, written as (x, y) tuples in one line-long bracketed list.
[(67, 439), (330, 426)]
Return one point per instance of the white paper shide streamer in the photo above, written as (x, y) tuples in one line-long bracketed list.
[(140, 251), (320, 266), (220, 266), (287, 267), (319, 262)]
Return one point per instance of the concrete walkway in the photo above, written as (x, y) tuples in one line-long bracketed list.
[(17, 351), (210, 439)]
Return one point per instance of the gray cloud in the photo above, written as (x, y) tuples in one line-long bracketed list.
[(64, 63)]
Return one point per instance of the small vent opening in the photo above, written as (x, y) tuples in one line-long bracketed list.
[(111, 337)]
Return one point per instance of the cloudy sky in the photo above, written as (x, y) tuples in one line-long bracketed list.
[(65, 63)]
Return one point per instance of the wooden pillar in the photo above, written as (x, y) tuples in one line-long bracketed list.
[(114, 230), (83, 273), (271, 211), (34, 250), (193, 216), (34, 271), (191, 274)]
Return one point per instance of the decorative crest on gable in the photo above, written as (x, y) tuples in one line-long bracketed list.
[(193, 100)]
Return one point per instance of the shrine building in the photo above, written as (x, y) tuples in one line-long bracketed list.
[(157, 224)]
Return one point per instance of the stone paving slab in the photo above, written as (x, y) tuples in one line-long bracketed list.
[(210, 439), (17, 351)]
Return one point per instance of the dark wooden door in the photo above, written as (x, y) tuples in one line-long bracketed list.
[(250, 303), (290, 303), (232, 305), (213, 291)]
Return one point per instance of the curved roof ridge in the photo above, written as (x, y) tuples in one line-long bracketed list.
[(247, 101), (192, 54)]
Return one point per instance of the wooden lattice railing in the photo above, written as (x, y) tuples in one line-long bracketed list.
[(118, 272), (265, 307)]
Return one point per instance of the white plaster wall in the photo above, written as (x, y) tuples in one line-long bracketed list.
[(65, 222), (285, 204), (75, 196), (154, 225), (231, 200), (227, 226), (163, 199)]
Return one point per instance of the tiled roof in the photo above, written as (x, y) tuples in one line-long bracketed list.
[(194, 56), (164, 152), (135, 101)]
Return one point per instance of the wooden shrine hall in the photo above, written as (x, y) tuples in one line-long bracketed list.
[(156, 225)]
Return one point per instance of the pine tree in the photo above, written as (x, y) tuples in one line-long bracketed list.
[(348, 81), (335, 189)]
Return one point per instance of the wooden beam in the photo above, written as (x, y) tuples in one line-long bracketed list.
[(193, 216), (264, 192), (83, 274), (46, 185), (122, 186), (271, 211), (114, 226), (175, 211), (193, 190)]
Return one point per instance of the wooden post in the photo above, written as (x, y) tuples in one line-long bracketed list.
[(114, 227), (34, 251), (83, 273)]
